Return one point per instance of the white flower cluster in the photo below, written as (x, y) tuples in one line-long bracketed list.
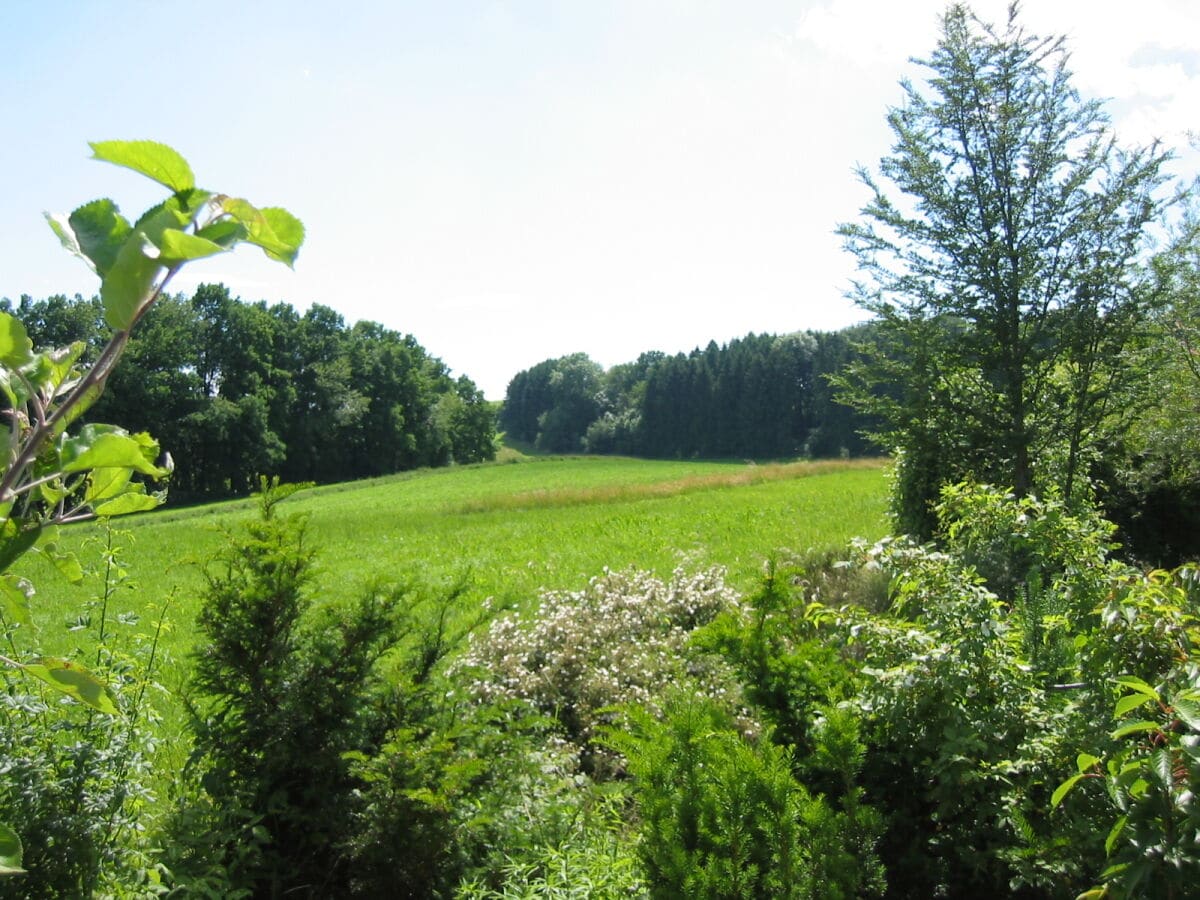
[(623, 639)]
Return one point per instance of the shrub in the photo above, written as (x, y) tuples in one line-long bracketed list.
[(722, 816), (550, 832), (322, 761), (75, 781), (620, 640)]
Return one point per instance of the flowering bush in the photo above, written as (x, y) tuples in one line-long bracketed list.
[(619, 640)]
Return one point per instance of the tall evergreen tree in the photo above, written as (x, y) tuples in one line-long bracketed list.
[(1002, 274)]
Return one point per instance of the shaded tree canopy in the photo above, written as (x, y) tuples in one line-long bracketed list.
[(761, 396), (234, 389)]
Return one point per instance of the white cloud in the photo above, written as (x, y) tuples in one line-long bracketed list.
[(1145, 57)]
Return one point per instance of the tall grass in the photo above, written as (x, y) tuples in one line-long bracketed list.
[(510, 530)]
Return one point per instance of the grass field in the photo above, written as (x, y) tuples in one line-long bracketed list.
[(511, 530)]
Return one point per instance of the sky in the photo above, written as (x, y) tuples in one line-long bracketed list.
[(515, 181)]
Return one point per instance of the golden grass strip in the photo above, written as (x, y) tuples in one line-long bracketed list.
[(743, 476)]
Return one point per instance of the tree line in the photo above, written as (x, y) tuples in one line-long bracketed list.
[(235, 389), (761, 396)]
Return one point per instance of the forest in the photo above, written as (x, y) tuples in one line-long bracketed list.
[(358, 690), (235, 389), (758, 397)]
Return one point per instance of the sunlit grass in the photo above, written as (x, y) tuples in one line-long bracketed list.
[(509, 530)]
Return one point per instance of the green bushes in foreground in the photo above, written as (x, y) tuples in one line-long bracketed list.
[(1010, 710)]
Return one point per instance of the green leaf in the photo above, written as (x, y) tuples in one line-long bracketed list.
[(1188, 712), (1085, 761), (15, 539), (1063, 789), (225, 232), (1114, 834), (15, 594), (1163, 761), (1135, 728), (1130, 702), (261, 225), (179, 246), (129, 282), (61, 373), (105, 446), (75, 681), (100, 231), (105, 483), (65, 561), (86, 399), (61, 226), (1136, 684), (10, 852), (132, 502), (289, 232), (150, 158), (16, 349)]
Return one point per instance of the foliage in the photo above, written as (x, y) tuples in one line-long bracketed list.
[(52, 475), (615, 642), (327, 763), (979, 702), (554, 834), (763, 396), (76, 781), (1002, 279), (1151, 480), (1150, 763), (788, 675), (724, 817), (233, 389)]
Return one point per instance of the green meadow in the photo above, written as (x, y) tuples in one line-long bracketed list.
[(508, 530)]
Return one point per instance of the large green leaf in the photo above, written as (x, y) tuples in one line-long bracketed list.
[(75, 681), (131, 502), (289, 235), (15, 594), (1187, 710), (10, 852), (61, 226), (130, 280), (86, 399), (179, 246), (65, 561), (105, 446), (139, 262), (100, 231), (1063, 789), (225, 232), (1130, 702), (150, 158), (16, 349), (276, 231), (106, 483), (15, 539), (1135, 728), (1136, 684)]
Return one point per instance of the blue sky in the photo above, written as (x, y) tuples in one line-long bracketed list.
[(514, 181)]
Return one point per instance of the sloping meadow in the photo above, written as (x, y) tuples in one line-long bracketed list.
[(505, 532)]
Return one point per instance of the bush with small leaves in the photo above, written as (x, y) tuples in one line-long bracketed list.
[(722, 815), (78, 780), (620, 640)]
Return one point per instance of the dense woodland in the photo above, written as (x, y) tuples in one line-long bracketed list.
[(761, 396), (233, 390)]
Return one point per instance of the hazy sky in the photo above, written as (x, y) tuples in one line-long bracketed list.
[(511, 181)]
